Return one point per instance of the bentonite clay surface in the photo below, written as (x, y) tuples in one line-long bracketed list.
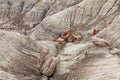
[(34, 46)]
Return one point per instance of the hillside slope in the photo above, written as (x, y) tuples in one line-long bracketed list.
[(28, 28)]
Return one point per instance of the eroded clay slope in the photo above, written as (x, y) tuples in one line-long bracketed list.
[(24, 23)]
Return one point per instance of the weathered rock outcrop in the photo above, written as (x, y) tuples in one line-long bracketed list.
[(19, 55), (47, 63)]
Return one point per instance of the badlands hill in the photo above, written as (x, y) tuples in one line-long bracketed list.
[(28, 28)]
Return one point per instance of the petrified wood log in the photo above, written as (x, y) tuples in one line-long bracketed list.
[(47, 63)]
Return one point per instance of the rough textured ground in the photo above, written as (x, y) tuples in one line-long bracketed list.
[(29, 26)]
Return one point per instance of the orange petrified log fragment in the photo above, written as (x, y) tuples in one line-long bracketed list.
[(66, 31), (59, 39), (63, 36), (95, 31), (68, 36), (72, 37)]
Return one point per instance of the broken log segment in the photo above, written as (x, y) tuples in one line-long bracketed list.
[(47, 66)]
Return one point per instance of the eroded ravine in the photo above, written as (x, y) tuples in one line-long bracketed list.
[(29, 23)]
